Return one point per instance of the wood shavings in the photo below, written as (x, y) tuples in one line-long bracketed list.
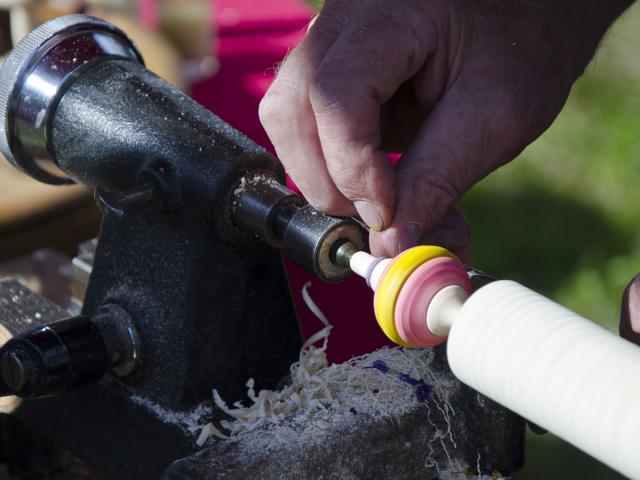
[(208, 430), (321, 399), (306, 387), (241, 186), (359, 385)]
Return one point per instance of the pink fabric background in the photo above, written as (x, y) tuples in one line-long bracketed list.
[(254, 35)]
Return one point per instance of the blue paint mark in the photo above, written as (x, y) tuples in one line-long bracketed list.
[(380, 365), (422, 390)]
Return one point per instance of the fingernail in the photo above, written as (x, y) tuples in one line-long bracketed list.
[(369, 214), (409, 237)]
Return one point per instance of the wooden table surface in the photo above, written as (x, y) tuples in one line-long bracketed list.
[(22, 197)]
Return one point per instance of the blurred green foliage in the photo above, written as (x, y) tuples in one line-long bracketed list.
[(564, 218)]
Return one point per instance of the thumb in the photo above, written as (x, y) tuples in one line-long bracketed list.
[(459, 144)]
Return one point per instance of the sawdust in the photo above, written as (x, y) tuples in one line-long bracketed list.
[(385, 384), (241, 186), (191, 422)]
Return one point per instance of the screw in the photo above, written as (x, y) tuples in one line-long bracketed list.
[(17, 369)]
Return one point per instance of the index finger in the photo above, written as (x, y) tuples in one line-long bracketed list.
[(361, 71), (287, 117)]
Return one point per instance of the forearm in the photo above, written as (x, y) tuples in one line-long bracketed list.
[(561, 34), (597, 16), (593, 18)]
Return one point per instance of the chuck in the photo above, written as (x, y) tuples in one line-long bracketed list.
[(282, 218)]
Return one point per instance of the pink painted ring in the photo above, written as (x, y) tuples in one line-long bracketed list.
[(416, 294)]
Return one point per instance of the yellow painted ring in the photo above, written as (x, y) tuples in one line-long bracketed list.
[(393, 280)]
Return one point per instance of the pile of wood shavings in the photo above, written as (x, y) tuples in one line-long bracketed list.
[(388, 382)]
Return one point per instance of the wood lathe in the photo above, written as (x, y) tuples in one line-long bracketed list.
[(186, 291)]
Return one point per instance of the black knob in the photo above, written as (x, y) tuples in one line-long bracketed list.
[(53, 359), (17, 369)]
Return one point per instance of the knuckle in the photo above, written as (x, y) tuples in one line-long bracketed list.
[(411, 23), (275, 108), (406, 23), (331, 20), (336, 14), (268, 109)]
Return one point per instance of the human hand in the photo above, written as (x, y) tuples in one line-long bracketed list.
[(630, 312), (460, 87)]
